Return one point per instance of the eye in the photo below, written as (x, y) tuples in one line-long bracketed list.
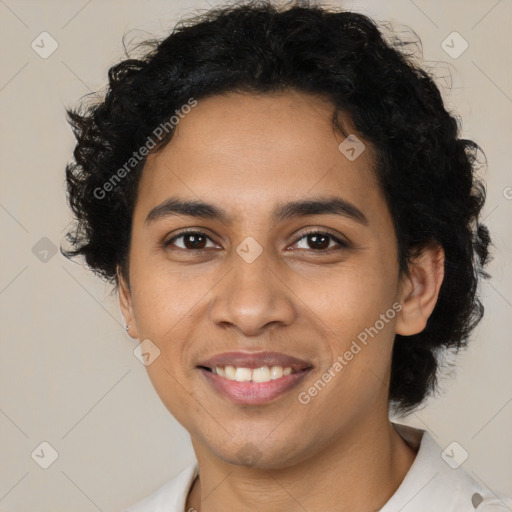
[(192, 240), (319, 241)]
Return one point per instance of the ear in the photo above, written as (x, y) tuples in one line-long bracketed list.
[(419, 291), (126, 304)]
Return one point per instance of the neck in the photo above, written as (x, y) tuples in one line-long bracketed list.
[(360, 470)]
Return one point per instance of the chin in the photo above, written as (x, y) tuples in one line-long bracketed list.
[(260, 454)]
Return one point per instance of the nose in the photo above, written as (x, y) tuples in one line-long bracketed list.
[(252, 297)]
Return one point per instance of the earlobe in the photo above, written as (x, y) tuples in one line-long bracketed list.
[(126, 305), (420, 290)]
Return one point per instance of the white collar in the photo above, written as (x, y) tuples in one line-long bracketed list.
[(433, 484)]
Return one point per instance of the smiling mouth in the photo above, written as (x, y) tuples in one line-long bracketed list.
[(253, 386), (258, 375)]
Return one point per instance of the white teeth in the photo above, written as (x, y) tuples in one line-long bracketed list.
[(276, 372), (229, 372), (261, 374), (243, 374)]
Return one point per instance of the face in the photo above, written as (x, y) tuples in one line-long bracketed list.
[(253, 277)]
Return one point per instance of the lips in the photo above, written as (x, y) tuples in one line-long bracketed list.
[(254, 360), (251, 392)]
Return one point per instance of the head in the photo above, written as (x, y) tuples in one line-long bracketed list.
[(328, 200)]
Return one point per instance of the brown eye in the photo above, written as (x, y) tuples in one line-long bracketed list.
[(192, 240), (320, 241)]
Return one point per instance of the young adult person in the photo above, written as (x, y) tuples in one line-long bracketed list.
[(292, 223)]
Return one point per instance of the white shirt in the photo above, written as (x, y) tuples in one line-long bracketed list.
[(430, 485)]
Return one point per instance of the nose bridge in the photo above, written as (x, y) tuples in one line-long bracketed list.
[(252, 294)]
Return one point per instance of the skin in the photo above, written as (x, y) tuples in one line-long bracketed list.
[(247, 153)]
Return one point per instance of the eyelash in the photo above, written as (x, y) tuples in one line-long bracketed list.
[(341, 243)]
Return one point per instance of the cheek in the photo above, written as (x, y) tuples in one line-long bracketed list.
[(164, 298), (354, 310), (354, 378), (350, 298), (164, 306), (174, 391), (164, 315)]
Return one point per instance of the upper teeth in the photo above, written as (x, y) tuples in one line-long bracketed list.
[(262, 374)]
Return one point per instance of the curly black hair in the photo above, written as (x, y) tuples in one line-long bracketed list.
[(426, 172)]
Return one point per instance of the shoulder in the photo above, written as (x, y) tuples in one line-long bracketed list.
[(170, 497), (438, 481)]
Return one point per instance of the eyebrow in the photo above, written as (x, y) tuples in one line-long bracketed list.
[(175, 206)]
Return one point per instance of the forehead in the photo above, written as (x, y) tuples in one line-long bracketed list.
[(246, 151)]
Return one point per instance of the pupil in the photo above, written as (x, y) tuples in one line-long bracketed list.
[(196, 240), (322, 244)]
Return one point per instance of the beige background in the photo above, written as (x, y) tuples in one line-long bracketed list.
[(69, 376)]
